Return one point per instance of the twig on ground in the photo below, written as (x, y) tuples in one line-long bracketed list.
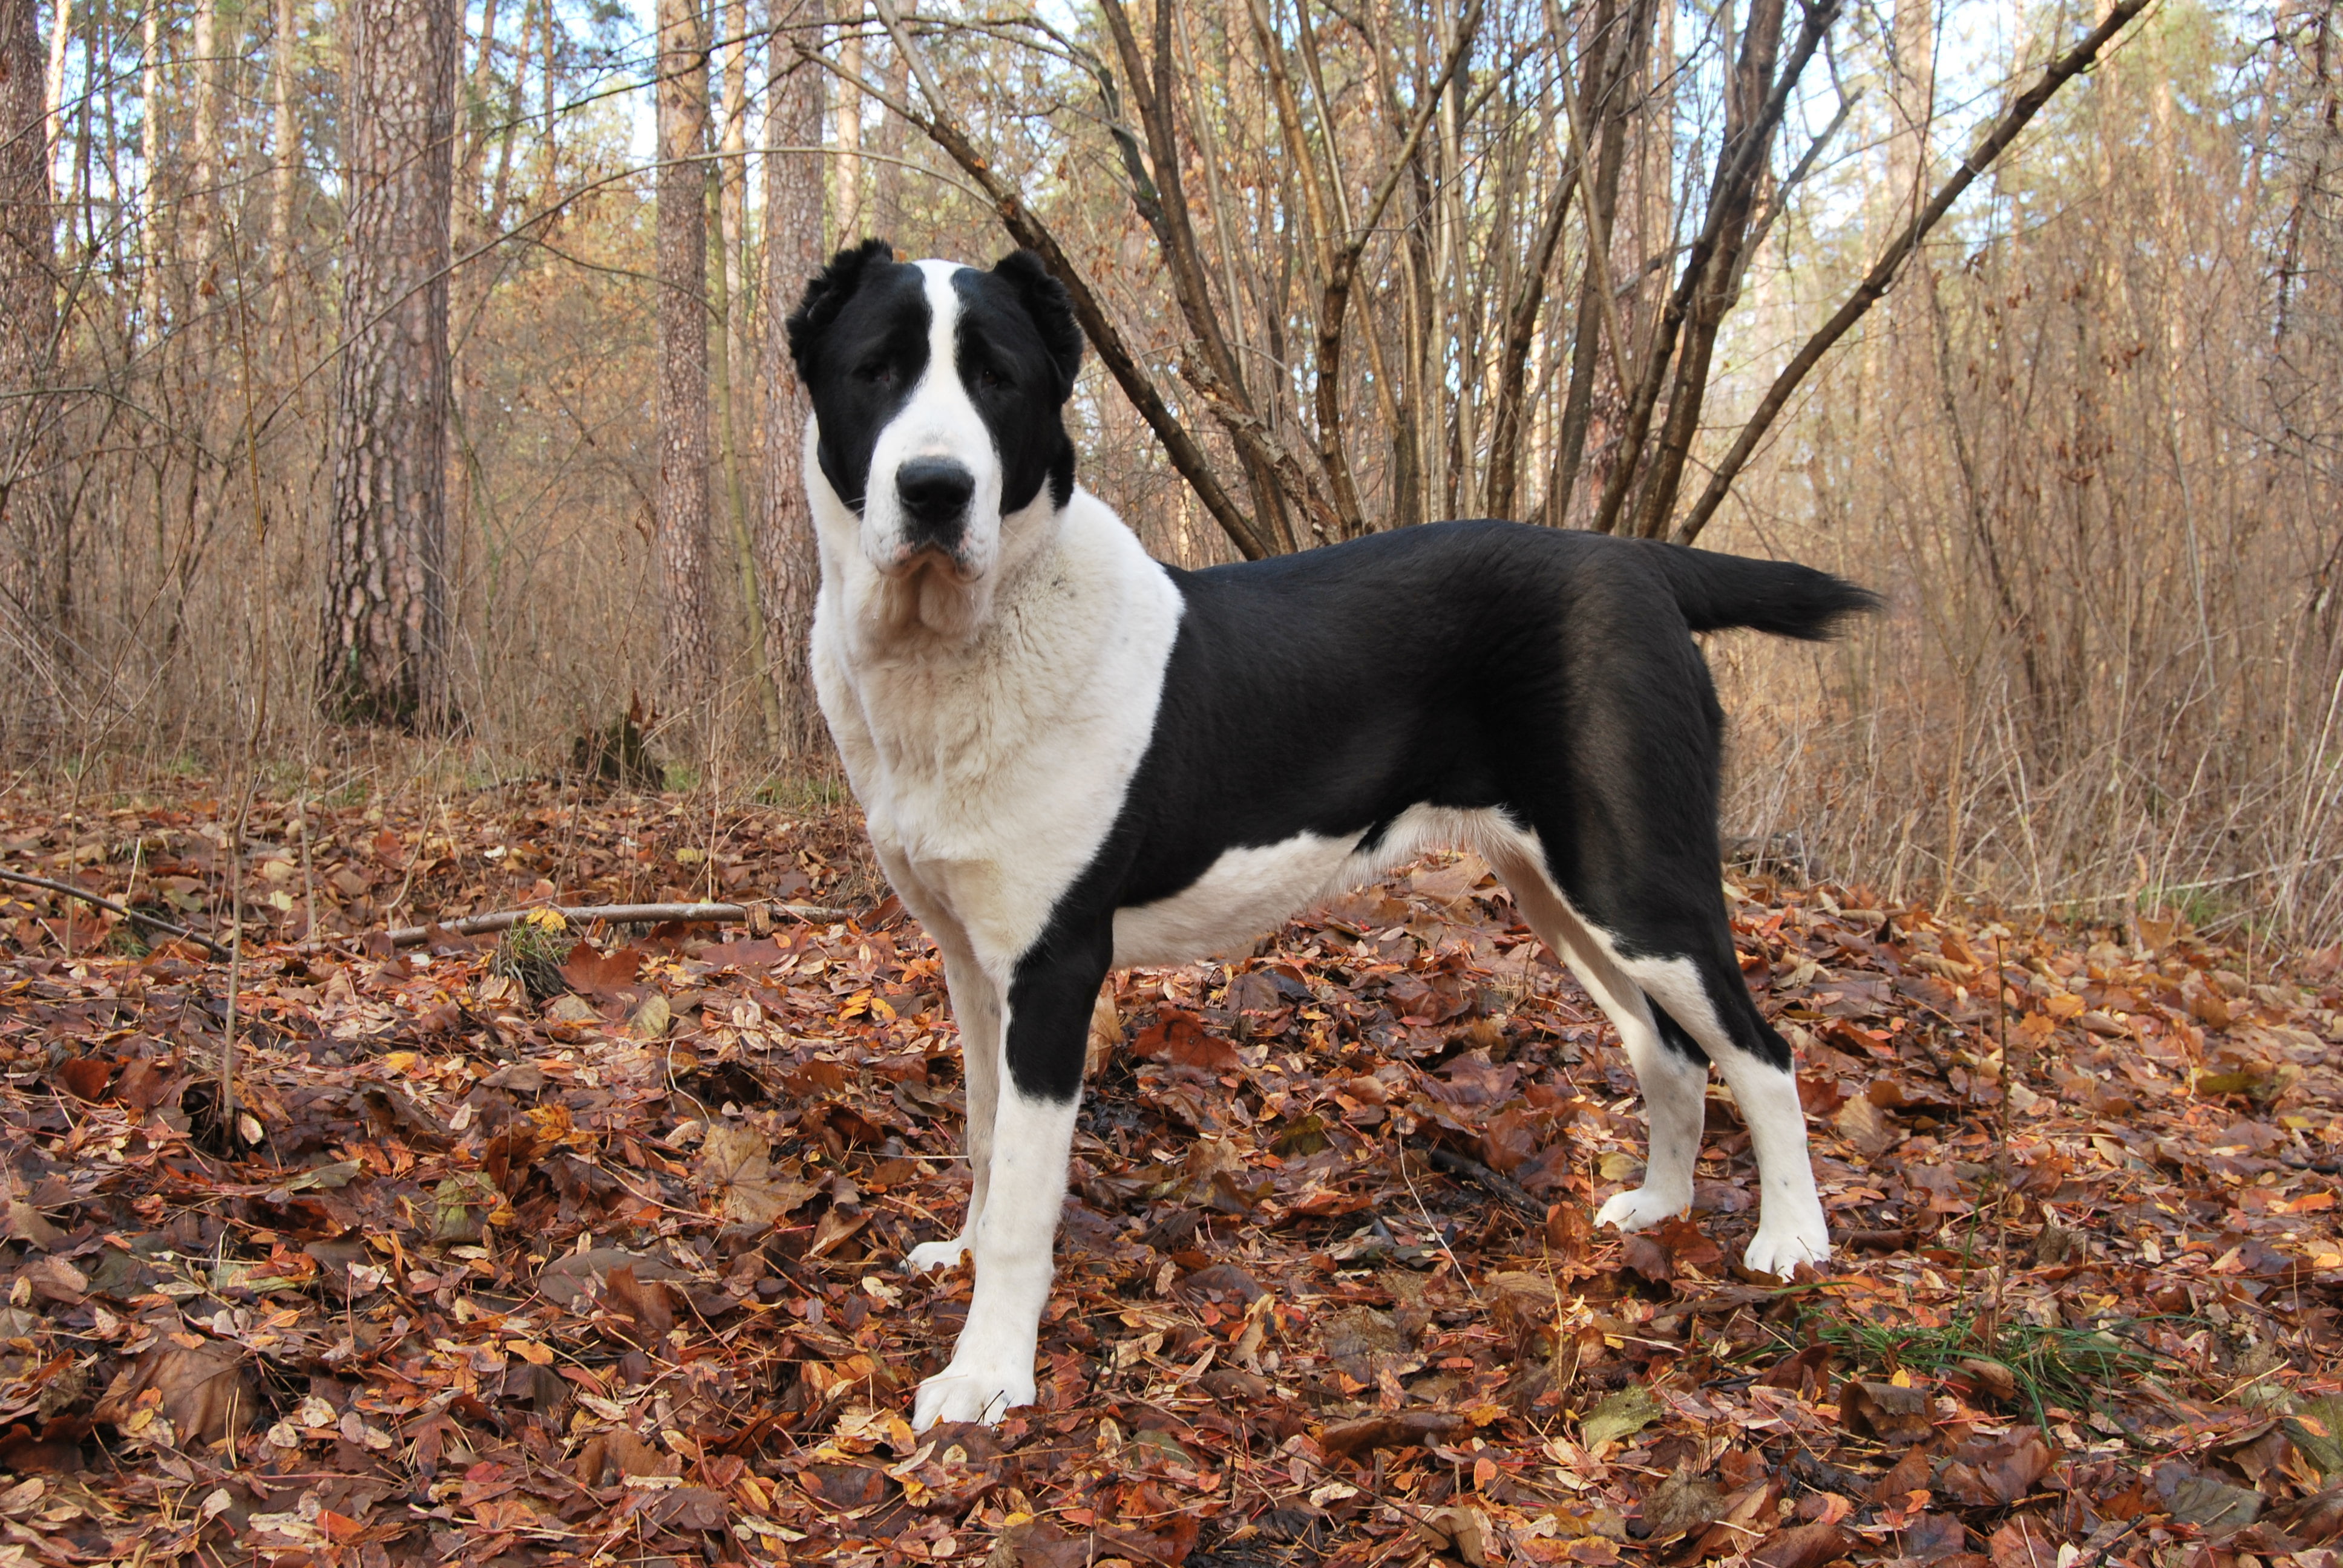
[(476, 925), (609, 914), (1472, 1171), (149, 921)]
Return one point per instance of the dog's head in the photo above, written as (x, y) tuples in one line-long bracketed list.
[(938, 395)]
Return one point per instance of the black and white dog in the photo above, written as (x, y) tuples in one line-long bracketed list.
[(1073, 758)]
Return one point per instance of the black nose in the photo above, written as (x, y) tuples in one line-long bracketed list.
[(935, 492)]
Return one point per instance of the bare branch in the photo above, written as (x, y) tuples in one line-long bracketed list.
[(1026, 229), (149, 921), (1875, 282), (610, 915), (1735, 172)]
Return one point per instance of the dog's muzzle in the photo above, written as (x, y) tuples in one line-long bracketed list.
[(934, 494)]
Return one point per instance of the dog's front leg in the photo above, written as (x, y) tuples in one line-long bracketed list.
[(1044, 1031), (976, 1007)]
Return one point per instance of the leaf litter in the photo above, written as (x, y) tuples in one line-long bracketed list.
[(580, 1245)]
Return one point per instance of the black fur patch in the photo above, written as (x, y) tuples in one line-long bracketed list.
[(859, 338), (1019, 349), (1548, 675)]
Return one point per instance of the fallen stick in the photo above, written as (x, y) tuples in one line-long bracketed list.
[(1503, 1186), (610, 914), (149, 921)]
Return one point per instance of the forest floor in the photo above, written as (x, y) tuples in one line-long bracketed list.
[(517, 1257)]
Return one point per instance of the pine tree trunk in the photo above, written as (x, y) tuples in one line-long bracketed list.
[(793, 251), (35, 576), (732, 361), (889, 217), (286, 166), (851, 219), (151, 248), (687, 657), (53, 94), (206, 197), (386, 623)]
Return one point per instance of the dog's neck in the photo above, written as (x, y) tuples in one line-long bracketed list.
[(926, 614)]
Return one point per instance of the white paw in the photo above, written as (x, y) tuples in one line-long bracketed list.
[(979, 1395), (931, 1255), (1641, 1208), (1778, 1250)]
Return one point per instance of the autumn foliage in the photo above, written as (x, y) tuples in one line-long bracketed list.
[(595, 1261)]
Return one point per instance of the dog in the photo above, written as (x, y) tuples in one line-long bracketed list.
[(1073, 758)]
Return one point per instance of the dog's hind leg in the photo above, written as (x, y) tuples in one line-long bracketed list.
[(1704, 993), (1044, 1028), (1669, 1068)]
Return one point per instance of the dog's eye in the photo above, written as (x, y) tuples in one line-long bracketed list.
[(989, 379), (878, 372)]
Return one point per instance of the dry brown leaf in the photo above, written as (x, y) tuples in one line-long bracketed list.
[(1800, 1546), (736, 1165), (202, 1389)]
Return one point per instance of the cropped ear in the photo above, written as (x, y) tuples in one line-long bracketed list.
[(826, 294), (1052, 311)]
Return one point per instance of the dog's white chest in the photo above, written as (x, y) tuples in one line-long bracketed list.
[(993, 776)]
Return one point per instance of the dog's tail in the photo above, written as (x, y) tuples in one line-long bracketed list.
[(1715, 591)]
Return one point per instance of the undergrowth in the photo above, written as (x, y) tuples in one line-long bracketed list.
[(2077, 1368)]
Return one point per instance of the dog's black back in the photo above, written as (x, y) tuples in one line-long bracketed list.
[(1547, 675)]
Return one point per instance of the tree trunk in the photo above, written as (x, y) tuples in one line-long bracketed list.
[(686, 654), (887, 205), (150, 160), (1507, 435), (849, 110), (471, 219), (1911, 91), (386, 623), (203, 144), (1712, 296), (53, 122), (286, 166), (500, 187), (1610, 64), (35, 576), (793, 234), (730, 184)]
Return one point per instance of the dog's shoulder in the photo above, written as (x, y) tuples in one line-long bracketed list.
[(1093, 536)]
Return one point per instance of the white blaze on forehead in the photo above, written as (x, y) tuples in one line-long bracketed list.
[(943, 314), (937, 419), (938, 408)]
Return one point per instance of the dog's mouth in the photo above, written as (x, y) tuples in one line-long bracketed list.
[(911, 560)]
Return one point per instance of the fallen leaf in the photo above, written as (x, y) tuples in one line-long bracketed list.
[(1934, 1536), (2206, 1501), (1038, 1543), (1681, 1502), (85, 1076), (735, 1164), (1894, 1415), (1996, 1474), (26, 1224), (1800, 1546), (564, 1279), (2022, 1542), (1348, 1439), (617, 1455), (1622, 1415), (1178, 1039), (610, 976), (203, 1390)]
